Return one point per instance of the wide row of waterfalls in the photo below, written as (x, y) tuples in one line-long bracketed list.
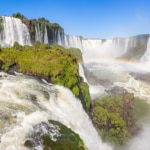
[(12, 29)]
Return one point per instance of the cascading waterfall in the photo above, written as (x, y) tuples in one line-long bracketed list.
[(146, 57), (13, 30), (26, 102), (73, 41), (45, 35), (38, 34), (103, 48), (60, 37), (93, 89), (126, 44), (81, 73), (132, 42), (96, 48)]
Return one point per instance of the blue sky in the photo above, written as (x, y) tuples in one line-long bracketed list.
[(88, 18)]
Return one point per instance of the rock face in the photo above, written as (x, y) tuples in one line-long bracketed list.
[(117, 90), (141, 76)]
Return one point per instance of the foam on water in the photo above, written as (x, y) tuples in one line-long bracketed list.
[(32, 101)]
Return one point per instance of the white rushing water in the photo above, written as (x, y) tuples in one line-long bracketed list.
[(45, 35), (26, 102), (14, 30), (73, 41), (95, 90), (139, 88), (38, 34), (82, 74), (97, 48), (146, 57), (119, 74)]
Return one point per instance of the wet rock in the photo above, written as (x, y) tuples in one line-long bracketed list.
[(104, 82), (141, 76), (117, 90)]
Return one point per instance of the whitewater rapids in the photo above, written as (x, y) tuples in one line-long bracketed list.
[(26, 102), (119, 75)]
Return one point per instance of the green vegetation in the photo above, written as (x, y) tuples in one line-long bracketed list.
[(1, 24), (141, 111), (54, 63), (113, 117), (52, 28), (77, 53), (18, 15), (119, 117), (85, 95), (65, 139)]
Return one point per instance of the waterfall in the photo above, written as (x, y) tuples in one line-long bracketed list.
[(45, 35), (146, 57), (105, 48), (126, 45), (14, 30), (26, 102), (73, 41), (38, 34), (60, 37), (97, 48), (81, 73)]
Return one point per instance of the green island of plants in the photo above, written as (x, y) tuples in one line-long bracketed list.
[(113, 117), (54, 63), (118, 117)]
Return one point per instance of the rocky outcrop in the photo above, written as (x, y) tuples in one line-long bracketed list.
[(141, 76), (54, 135)]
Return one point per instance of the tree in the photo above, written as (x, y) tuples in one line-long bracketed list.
[(18, 15)]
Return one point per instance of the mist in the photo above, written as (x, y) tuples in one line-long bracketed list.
[(142, 140)]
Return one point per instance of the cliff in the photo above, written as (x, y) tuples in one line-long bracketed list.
[(41, 29)]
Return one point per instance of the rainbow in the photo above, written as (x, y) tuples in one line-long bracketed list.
[(128, 64)]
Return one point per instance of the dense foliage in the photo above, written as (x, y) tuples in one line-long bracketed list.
[(64, 138), (113, 117), (18, 15), (54, 63)]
